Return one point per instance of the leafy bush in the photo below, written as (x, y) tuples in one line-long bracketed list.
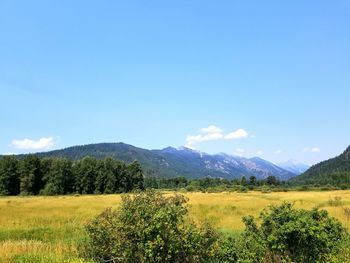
[(245, 248), (265, 189), (342, 255), (149, 227), (242, 189), (290, 235)]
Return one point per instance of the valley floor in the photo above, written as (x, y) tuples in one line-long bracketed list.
[(49, 229)]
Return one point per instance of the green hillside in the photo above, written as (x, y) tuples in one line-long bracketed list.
[(335, 171)]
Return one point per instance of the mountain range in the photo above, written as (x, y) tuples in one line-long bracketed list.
[(171, 162)]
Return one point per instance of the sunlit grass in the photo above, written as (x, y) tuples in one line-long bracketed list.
[(48, 229), (35, 250), (225, 210)]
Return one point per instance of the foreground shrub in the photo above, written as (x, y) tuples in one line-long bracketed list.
[(287, 234), (244, 248), (149, 227)]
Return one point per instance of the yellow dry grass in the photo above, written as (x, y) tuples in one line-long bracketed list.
[(225, 210), (11, 248), (52, 225)]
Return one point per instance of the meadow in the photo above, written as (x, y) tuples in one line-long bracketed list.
[(50, 229)]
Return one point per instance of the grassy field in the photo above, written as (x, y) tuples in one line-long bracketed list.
[(49, 229)]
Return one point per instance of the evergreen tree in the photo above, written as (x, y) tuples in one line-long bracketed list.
[(59, 177), (111, 173), (252, 180), (106, 176), (9, 176), (30, 175), (135, 176), (272, 180), (243, 181), (85, 172)]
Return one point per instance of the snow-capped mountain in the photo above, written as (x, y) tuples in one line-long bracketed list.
[(192, 163)]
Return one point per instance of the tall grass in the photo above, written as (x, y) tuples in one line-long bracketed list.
[(225, 210), (49, 229)]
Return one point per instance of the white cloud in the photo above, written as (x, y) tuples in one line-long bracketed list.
[(28, 144), (311, 150), (239, 134), (278, 151), (212, 133), (206, 134), (211, 129)]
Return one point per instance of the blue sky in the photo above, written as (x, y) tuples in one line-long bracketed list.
[(267, 78)]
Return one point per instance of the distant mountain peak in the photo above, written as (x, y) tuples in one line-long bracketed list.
[(185, 148), (292, 161), (169, 149), (294, 166)]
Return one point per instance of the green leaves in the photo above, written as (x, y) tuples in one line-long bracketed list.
[(149, 227), (295, 235), (9, 176)]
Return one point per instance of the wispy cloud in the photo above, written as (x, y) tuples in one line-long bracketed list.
[(278, 151), (315, 149), (28, 144), (311, 149), (212, 133)]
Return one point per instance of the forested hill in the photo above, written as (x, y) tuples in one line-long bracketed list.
[(121, 151), (335, 171), (172, 162), (151, 161)]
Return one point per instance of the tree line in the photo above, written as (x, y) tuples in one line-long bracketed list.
[(334, 181), (32, 175), (336, 178), (212, 184)]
